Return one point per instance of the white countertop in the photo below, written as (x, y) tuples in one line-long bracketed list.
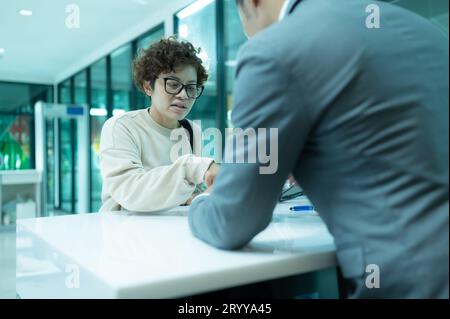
[(126, 255), (20, 176)]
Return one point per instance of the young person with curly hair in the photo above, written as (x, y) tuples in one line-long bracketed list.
[(135, 151)]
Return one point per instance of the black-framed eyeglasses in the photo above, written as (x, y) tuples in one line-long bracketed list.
[(173, 86)]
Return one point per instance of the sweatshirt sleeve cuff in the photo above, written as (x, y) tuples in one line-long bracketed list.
[(196, 168), (199, 196)]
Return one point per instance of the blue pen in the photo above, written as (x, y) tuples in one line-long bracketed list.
[(302, 208)]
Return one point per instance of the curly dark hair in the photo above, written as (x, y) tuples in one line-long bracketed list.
[(164, 56)]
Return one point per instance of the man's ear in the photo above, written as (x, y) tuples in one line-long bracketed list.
[(254, 3), (248, 7), (147, 88)]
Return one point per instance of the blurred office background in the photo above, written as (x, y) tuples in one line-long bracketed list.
[(42, 59)]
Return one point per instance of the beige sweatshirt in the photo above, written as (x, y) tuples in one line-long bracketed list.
[(137, 171)]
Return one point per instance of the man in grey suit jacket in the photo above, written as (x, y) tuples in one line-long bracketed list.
[(362, 117)]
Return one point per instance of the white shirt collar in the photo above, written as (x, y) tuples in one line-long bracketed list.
[(284, 10)]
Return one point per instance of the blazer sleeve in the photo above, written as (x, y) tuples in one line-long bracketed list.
[(243, 197)]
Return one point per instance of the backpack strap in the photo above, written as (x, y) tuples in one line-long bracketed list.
[(187, 126)]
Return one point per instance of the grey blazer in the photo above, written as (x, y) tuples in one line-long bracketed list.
[(362, 116)]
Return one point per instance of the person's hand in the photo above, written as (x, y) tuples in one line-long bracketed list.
[(208, 190), (211, 174), (189, 201)]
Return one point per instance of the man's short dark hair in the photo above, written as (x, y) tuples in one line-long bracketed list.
[(239, 2)]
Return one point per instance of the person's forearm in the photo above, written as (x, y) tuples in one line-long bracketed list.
[(231, 215), (138, 189)]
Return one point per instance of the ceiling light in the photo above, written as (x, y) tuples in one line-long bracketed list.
[(118, 112), (98, 112), (183, 30), (25, 12), (2, 51)]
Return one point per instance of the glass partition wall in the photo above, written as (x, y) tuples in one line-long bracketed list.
[(106, 86)]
